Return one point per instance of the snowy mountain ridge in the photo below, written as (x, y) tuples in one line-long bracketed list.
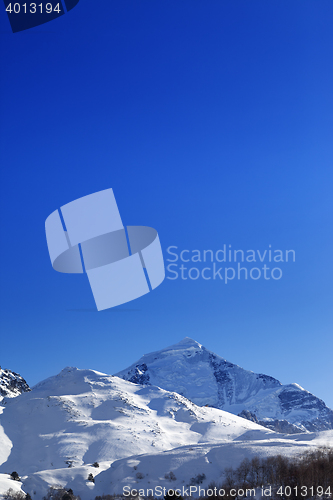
[(82, 416), (208, 379)]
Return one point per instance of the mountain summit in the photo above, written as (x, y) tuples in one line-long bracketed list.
[(205, 378)]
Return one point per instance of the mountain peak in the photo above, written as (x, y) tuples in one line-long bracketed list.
[(70, 380), (205, 378), (185, 344), (68, 369)]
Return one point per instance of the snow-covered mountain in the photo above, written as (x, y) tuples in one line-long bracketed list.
[(82, 416), (55, 433), (11, 384), (190, 369), (84, 422)]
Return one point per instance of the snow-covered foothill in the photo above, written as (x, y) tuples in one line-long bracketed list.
[(82, 416)]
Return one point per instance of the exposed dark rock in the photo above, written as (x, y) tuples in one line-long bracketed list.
[(11, 384)]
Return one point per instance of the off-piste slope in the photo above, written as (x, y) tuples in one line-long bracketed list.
[(178, 468), (205, 378), (82, 416), (201, 463)]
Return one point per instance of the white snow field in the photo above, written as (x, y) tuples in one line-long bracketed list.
[(210, 459), (148, 471), (6, 483)]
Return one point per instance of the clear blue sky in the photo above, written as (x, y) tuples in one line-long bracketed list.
[(213, 123)]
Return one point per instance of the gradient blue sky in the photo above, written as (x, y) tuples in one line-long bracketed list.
[(213, 123)]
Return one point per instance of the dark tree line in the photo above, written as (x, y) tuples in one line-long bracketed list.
[(306, 476)]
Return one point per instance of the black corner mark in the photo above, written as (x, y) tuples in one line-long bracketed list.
[(26, 14), (70, 4)]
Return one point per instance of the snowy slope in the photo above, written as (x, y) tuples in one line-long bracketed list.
[(82, 416), (6, 483), (11, 384), (209, 459), (205, 378), (149, 471)]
